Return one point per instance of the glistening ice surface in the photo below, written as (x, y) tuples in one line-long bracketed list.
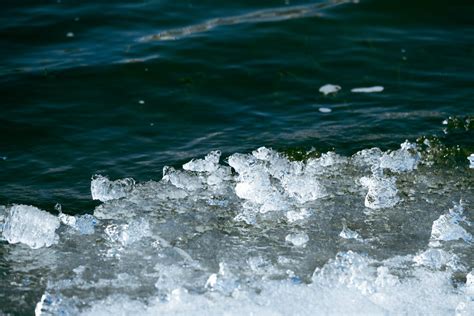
[(374, 233)]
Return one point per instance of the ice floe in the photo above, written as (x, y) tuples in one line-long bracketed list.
[(368, 89), (329, 89)]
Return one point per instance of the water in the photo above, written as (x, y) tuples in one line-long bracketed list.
[(122, 89)]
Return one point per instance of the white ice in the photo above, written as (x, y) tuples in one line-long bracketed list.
[(103, 189), (471, 161), (297, 239), (329, 88), (30, 226), (448, 226), (368, 89), (382, 191)]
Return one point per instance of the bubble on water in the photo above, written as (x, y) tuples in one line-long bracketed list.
[(30, 226)]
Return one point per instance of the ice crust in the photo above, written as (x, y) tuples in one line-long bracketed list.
[(259, 233), (30, 226)]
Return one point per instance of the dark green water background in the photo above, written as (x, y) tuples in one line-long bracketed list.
[(107, 101)]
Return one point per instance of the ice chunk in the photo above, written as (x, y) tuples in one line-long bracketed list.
[(447, 227), (368, 89), (367, 157), (347, 233), (297, 215), (209, 164), (297, 239), (127, 234), (31, 226), (84, 224), (103, 189), (471, 161), (329, 88), (303, 188), (404, 159), (436, 259), (382, 191), (325, 110), (182, 179)]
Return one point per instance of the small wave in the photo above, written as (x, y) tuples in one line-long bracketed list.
[(268, 15)]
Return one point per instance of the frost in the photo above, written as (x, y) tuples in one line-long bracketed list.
[(329, 88), (105, 190), (368, 89), (31, 226), (297, 239), (447, 227)]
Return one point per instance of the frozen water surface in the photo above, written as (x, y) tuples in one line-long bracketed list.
[(255, 233)]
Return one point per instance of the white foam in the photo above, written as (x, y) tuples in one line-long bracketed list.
[(30, 226), (329, 88), (368, 89), (103, 189)]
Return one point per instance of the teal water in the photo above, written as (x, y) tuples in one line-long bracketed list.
[(123, 88), (71, 105)]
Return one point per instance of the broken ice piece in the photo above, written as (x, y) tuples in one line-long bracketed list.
[(210, 163), (471, 161), (103, 189), (382, 191), (348, 233), (325, 110), (297, 239), (368, 89), (329, 88), (447, 227), (31, 226)]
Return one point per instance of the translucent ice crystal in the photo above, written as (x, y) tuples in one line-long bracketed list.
[(297, 239), (447, 227), (471, 161), (404, 159), (103, 189), (209, 164), (31, 226), (382, 191)]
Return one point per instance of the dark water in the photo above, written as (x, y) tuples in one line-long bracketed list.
[(110, 100)]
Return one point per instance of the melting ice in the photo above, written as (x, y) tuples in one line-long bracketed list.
[(254, 233)]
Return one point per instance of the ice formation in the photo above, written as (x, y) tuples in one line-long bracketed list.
[(329, 88), (30, 226), (471, 161), (103, 189), (448, 226), (368, 89), (297, 239), (256, 233)]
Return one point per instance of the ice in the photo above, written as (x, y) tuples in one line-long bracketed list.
[(31, 226), (297, 239), (297, 215), (209, 164), (325, 110), (368, 89), (402, 160), (436, 259), (127, 234), (471, 161), (84, 224), (105, 190), (329, 88), (347, 233), (382, 191), (447, 227)]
